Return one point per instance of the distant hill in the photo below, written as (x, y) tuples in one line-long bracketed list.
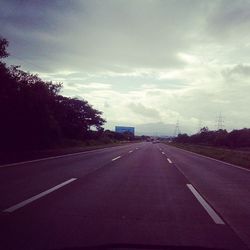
[(152, 129)]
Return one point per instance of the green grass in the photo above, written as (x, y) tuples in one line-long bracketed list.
[(235, 156)]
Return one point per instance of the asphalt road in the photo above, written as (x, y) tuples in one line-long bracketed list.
[(137, 195)]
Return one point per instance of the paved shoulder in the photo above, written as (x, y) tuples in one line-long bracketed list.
[(226, 187)]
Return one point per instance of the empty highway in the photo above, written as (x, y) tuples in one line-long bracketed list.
[(140, 194)]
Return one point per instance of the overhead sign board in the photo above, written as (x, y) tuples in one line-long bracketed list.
[(123, 129)]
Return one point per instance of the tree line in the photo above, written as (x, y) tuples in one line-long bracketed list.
[(35, 116), (235, 139)]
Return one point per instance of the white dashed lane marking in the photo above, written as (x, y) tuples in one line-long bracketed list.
[(216, 218), (36, 197), (116, 158), (170, 161)]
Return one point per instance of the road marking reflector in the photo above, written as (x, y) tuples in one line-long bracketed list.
[(36, 197), (116, 158), (163, 153), (130, 151), (136, 148), (170, 161), (216, 218)]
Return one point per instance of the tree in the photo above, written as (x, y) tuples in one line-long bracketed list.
[(220, 138), (182, 138), (239, 138), (26, 107), (3, 47), (204, 130), (76, 117), (34, 115)]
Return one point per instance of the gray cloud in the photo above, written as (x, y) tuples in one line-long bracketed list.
[(143, 111), (159, 60), (157, 128), (240, 70), (228, 18), (99, 35)]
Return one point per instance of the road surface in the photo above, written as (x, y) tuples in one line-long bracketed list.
[(139, 195)]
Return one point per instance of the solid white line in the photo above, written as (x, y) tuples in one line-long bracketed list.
[(52, 157), (58, 156), (116, 158), (130, 151), (38, 196), (170, 161), (210, 158), (216, 218)]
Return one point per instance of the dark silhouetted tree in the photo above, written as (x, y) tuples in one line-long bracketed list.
[(3, 47), (34, 115)]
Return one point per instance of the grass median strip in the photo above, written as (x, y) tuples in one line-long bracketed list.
[(36, 197)]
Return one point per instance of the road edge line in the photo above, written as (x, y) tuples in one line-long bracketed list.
[(227, 163), (56, 157)]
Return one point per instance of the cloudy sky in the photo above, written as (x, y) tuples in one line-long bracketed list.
[(144, 63)]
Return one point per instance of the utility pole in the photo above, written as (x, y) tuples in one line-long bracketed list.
[(177, 129), (220, 122)]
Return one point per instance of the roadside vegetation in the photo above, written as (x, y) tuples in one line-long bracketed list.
[(232, 147), (36, 117)]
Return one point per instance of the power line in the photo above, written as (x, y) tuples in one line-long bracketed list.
[(177, 130), (220, 122)]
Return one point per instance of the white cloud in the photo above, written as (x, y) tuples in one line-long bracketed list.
[(141, 62), (190, 59), (95, 85)]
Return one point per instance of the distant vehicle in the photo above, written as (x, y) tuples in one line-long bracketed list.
[(156, 141)]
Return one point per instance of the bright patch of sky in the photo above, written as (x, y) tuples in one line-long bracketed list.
[(143, 63)]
